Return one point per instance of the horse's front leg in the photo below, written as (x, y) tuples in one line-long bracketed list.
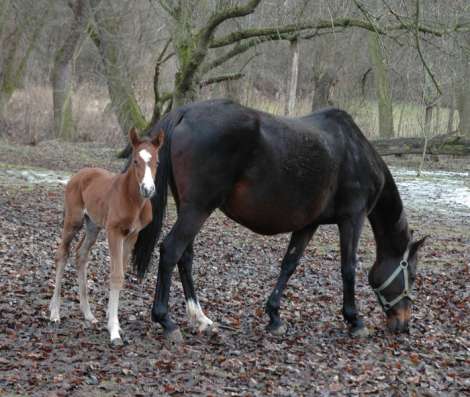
[(298, 243), (349, 233), (181, 235), (116, 282)]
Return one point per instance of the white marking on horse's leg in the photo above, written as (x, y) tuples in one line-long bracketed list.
[(113, 321), (196, 316)]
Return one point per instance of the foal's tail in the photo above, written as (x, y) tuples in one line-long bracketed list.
[(148, 237)]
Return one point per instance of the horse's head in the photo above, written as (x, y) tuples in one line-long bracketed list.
[(145, 161), (392, 278)]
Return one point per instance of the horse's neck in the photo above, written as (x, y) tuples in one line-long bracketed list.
[(129, 188), (388, 221)]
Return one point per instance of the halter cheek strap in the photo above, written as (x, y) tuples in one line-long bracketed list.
[(402, 267)]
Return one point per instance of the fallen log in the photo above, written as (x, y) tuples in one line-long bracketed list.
[(449, 144)]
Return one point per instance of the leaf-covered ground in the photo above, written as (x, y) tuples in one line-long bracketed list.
[(234, 273)]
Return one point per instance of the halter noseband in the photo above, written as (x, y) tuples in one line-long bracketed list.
[(403, 266)]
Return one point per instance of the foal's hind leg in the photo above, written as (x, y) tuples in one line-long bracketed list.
[(91, 233), (298, 243), (349, 233), (72, 224)]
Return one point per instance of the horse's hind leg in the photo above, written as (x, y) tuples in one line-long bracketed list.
[(349, 233), (196, 316), (298, 242), (91, 233), (175, 243), (72, 224)]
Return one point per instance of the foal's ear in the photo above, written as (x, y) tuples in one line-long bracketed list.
[(134, 137), (158, 139), (416, 245)]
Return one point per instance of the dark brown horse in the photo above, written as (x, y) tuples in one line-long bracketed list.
[(278, 175)]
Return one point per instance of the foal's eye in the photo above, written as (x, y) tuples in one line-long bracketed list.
[(135, 162)]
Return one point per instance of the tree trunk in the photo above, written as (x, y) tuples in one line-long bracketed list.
[(293, 78), (382, 85), (323, 82), (463, 101), (121, 93), (62, 73), (449, 144), (13, 66), (450, 120)]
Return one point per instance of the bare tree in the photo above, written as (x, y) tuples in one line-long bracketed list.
[(62, 73)]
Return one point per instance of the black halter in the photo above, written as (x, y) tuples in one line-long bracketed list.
[(402, 267)]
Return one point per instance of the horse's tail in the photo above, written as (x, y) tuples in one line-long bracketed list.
[(148, 237)]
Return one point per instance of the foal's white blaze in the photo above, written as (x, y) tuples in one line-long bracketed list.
[(147, 181), (196, 315)]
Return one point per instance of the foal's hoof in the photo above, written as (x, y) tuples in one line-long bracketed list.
[(116, 342), (278, 329), (360, 332), (174, 337)]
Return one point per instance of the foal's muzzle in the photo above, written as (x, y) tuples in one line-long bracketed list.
[(147, 191)]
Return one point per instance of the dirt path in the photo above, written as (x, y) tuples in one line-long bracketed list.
[(234, 273)]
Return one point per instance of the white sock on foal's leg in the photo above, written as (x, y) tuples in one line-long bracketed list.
[(196, 316), (113, 321)]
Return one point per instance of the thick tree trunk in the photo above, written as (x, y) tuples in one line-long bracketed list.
[(323, 81), (293, 78), (12, 64), (449, 144), (62, 73), (382, 85), (121, 92), (61, 79)]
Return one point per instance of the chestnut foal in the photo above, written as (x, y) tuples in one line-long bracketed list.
[(119, 203)]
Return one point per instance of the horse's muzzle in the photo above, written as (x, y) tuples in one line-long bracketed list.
[(398, 320), (147, 192)]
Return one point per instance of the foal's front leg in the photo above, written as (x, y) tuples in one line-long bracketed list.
[(116, 282)]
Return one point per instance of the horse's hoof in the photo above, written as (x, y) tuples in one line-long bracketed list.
[(361, 332), (116, 342), (278, 330), (211, 331), (91, 323), (174, 337)]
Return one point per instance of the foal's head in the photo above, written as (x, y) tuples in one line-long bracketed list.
[(145, 161), (392, 278)]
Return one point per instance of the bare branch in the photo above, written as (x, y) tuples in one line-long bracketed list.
[(219, 79), (343, 22), (421, 56), (228, 13)]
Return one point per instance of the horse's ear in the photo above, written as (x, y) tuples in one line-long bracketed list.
[(416, 245), (158, 139), (134, 137)]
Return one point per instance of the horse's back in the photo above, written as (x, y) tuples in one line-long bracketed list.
[(255, 166), (86, 185)]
